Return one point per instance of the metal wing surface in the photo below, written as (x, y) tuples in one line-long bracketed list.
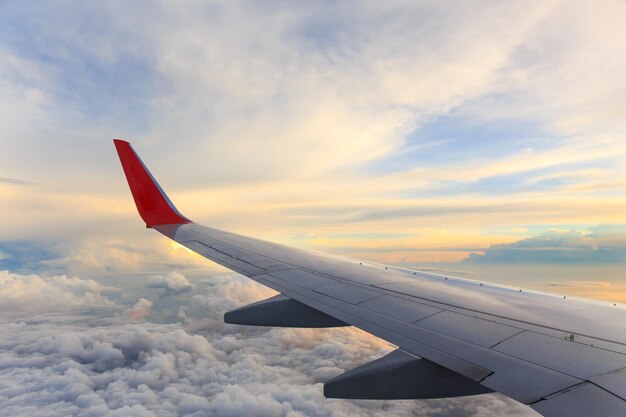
[(561, 356)]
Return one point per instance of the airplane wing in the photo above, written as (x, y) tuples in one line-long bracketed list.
[(455, 337)]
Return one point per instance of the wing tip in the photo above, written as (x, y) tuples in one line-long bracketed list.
[(153, 205)]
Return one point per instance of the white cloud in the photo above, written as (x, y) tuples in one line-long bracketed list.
[(147, 252), (33, 293), (228, 293), (74, 365), (328, 96), (331, 86), (141, 309), (570, 66), (174, 283), (157, 370)]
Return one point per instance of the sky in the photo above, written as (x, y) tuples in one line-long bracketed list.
[(474, 138)]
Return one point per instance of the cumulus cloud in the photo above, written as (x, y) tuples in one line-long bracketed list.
[(149, 252), (141, 309), (173, 283), (556, 246), (74, 366), (224, 371), (34, 293), (228, 293)]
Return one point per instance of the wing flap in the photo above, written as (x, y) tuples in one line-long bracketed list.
[(566, 356), (614, 382), (468, 328), (584, 400), (399, 308), (349, 293)]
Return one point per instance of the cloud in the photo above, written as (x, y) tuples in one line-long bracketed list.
[(227, 293), (387, 117), (14, 181), (556, 246), (173, 283), (580, 284), (32, 293), (85, 365), (275, 72), (141, 309), (156, 370), (342, 94), (148, 252)]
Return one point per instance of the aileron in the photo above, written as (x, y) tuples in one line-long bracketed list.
[(584, 400), (614, 382)]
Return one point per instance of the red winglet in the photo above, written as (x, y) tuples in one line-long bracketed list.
[(153, 205)]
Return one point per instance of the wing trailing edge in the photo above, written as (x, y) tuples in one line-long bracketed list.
[(153, 205)]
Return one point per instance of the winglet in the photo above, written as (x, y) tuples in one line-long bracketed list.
[(153, 205)]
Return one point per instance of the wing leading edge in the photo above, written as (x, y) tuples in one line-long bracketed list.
[(560, 356)]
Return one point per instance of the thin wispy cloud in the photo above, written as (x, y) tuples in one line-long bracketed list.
[(14, 181)]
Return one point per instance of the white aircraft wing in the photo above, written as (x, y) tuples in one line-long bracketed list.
[(455, 337)]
